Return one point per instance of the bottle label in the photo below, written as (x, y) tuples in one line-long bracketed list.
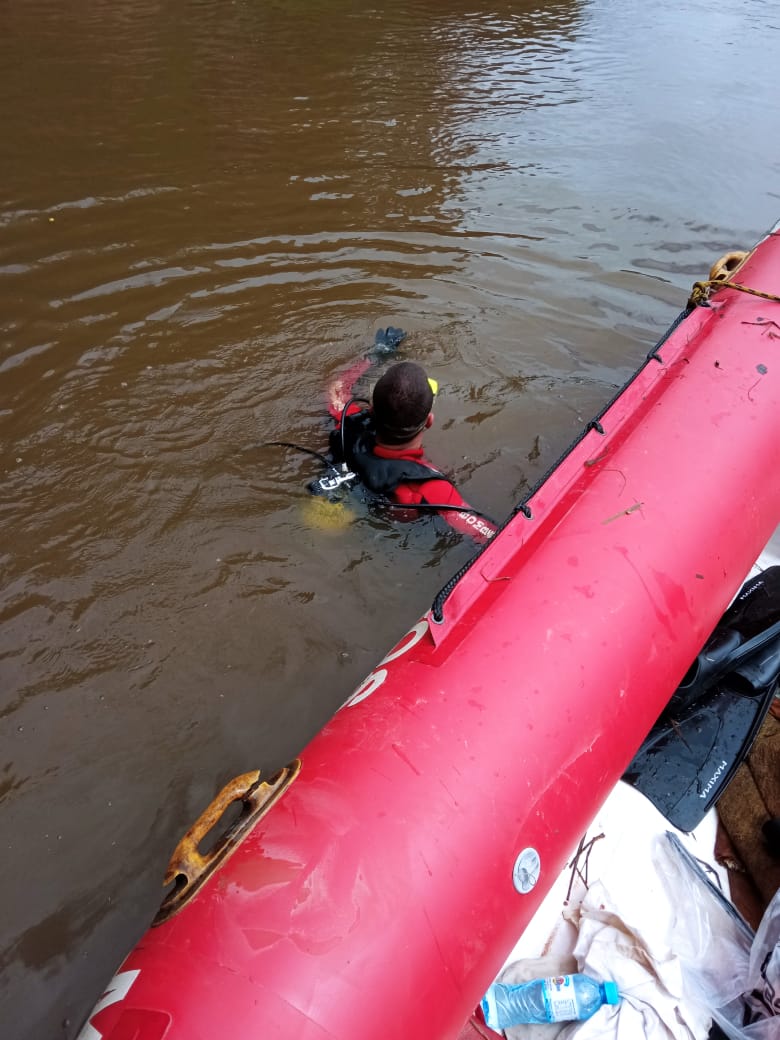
[(561, 998)]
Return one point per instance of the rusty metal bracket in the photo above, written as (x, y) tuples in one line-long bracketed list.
[(189, 868)]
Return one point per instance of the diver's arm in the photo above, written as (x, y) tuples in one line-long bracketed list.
[(442, 493), (341, 387)]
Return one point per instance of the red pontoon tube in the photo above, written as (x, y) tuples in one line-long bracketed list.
[(375, 887)]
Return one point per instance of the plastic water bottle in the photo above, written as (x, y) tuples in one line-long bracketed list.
[(564, 998)]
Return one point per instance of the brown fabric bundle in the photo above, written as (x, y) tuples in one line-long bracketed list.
[(751, 799)]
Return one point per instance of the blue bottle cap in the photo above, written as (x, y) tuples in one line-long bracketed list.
[(611, 995), (489, 1009)]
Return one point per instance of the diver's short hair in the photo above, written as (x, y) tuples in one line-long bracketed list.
[(402, 401)]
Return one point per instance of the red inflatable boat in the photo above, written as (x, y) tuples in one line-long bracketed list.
[(374, 888)]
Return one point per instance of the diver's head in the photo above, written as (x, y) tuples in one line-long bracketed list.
[(402, 401)]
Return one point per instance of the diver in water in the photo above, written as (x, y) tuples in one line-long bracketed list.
[(381, 446)]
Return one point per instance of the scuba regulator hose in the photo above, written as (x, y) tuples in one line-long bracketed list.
[(430, 507), (339, 474), (299, 447)]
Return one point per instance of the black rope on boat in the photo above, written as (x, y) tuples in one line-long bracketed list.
[(437, 607), (653, 355)]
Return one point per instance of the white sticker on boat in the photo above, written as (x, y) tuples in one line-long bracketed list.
[(526, 870), (117, 990), (373, 681)]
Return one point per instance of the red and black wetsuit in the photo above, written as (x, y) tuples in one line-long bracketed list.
[(438, 491), (404, 476)]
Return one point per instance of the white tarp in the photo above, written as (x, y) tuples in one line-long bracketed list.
[(657, 925)]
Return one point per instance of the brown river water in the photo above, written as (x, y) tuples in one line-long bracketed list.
[(206, 210)]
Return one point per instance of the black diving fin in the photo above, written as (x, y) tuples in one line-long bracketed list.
[(708, 666), (711, 721)]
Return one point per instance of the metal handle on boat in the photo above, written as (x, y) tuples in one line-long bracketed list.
[(189, 868), (727, 265)]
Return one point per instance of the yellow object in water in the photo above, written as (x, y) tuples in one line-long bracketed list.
[(433, 385), (324, 515)]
